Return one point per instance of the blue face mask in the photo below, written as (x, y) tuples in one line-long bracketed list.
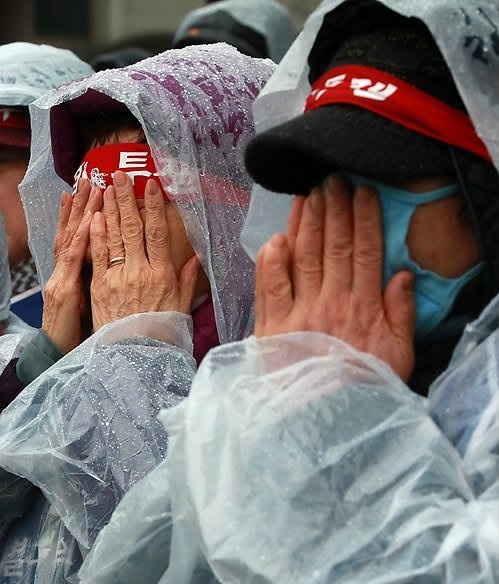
[(434, 295)]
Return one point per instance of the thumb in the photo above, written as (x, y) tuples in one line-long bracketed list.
[(400, 306)]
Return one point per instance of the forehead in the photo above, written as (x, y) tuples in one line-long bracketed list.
[(117, 135)]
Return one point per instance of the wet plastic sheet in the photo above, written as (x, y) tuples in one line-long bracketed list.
[(16, 335), (28, 71), (271, 19), (15, 495), (86, 430), (298, 459), (39, 549), (139, 537), (5, 283), (137, 544)]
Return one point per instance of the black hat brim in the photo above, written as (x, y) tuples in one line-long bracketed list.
[(298, 155)]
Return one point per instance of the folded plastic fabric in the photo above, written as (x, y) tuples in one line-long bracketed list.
[(39, 549), (298, 459), (86, 429), (15, 495), (14, 333), (5, 282), (138, 541), (16, 336)]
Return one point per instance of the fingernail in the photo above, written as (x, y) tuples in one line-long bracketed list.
[(331, 183), (110, 194), (316, 202), (335, 183), (119, 178), (152, 188), (409, 284), (82, 183), (364, 195), (278, 240), (64, 198)]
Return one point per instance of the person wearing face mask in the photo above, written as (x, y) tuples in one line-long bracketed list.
[(418, 150), (354, 438), (148, 274)]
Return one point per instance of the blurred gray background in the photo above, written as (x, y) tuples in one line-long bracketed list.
[(92, 26)]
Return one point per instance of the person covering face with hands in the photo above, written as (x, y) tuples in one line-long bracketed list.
[(328, 465), (156, 263)]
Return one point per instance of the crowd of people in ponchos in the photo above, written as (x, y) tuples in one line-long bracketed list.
[(268, 341)]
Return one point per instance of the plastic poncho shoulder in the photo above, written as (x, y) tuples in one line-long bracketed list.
[(299, 459), (86, 430)]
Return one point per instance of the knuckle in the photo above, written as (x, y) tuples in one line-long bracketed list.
[(77, 206), (73, 256), (114, 240), (99, 255), (367, 256), (156, 232), (277, 288), (66, 238), (50, 288), (339, 250), (78, 237), (132, 229), (308, 264)]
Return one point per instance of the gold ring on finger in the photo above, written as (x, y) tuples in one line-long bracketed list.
[(117, 260)]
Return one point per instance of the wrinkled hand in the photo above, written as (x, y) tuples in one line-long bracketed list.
[(325, 275), (146, 280), (64, 310)]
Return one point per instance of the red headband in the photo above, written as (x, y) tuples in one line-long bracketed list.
[(99, 165), (10, 118), (398, 101)]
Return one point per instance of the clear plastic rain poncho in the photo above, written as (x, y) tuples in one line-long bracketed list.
[(27, 71), (15, 332), (5, 284), (299, 459), (267, 17), (86, 430)]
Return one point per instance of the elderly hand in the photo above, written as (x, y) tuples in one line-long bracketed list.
[(64, 309), (132, 268), (325, 275)]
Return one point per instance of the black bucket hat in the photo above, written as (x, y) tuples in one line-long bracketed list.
[(297, 155)]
